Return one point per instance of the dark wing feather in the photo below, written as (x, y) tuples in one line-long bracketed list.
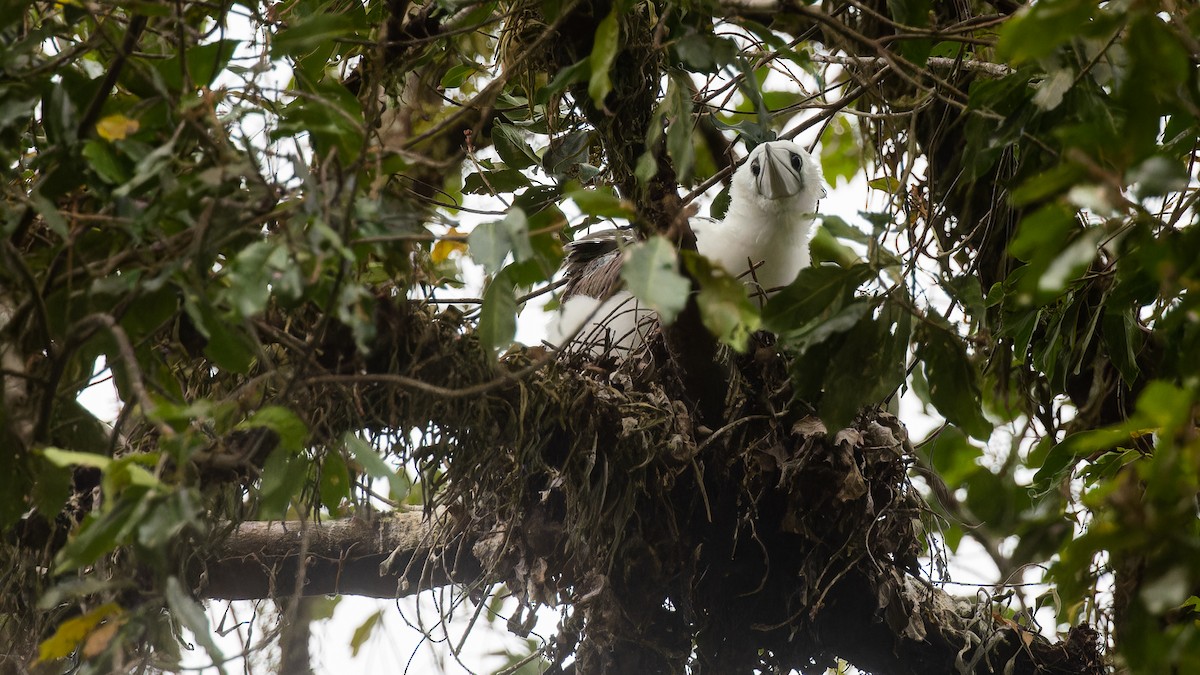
[(593, 264)]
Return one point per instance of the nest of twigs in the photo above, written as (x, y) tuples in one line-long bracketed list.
[(591, 486)]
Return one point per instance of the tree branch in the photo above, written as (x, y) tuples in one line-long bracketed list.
[(262, 559)]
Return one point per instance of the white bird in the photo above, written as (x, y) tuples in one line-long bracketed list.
[(763, 239)]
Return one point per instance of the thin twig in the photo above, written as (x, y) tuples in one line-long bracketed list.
[(433, 389), (994, 69)]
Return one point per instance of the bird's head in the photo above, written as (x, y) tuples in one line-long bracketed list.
[(780, 171)]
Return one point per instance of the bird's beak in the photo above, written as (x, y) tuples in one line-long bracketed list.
[(778, 179)]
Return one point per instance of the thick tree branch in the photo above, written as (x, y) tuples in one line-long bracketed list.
[(263, 559)]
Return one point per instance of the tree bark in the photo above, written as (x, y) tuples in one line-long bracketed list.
[(263, 559)]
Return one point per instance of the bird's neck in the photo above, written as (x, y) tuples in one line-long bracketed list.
[(776, 232), (769, 223)]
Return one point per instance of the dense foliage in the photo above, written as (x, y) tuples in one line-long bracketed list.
[(251, 214)]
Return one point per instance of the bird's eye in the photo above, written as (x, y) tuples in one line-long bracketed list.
[(754, 167), (795, 161)]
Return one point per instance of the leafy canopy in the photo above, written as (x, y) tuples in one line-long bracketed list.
[(206, 196)]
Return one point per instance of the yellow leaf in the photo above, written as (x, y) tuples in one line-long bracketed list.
[(116, 127), (444, 247), (72, 632)]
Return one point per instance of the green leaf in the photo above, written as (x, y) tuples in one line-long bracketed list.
[(826, 248), (151, 311), (498, 313), (364, 631), (989, 497), (250, 275), (375, 467), (1041, 237), (750, 86), (51, 488), (841, 152), (567, 152), (286, 469), (651, 273), (604, 52), (953, 456), (830, 325), (148, 169), (322, 608), (868, 367), (725, 308), (1039, 30), (49, 213), (334, 487), (490, 243), (601, 202), (71, 590), (227, 347), (647, 164), (1050, 183), (540, 198), (679, 132), (1163, 592), (98, 535), (105, 163), (695, 52), (1159, 69), (122, 472), (966, 290), (886, 184), (66, 458), (568, 75), (455, 76), (720, 204), (330, 114), (309, 33), (953, 380), (171, 515), (914, 13), (490, 182), (809, 367), (60, 109), (190, 615), (1050, 91), (291, 430), (1122, 340), (205, 62), (283, 477), (512, 147), (816, 291), (1065, 455), (704, 52), (1157, 176), (1165, 406), (1070, 263)]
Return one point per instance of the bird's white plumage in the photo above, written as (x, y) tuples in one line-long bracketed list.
[(617, 325), (763, 239), (770, 216)]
